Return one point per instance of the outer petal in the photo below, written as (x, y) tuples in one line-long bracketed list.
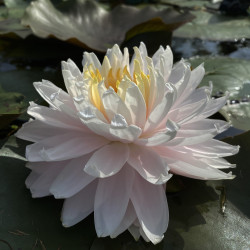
[(63, 147), (108, 160), (56, 97), (40, 187), (148, 164), (79, 206), (71, 179), (55, 118), (150, 204), (126, 222), (111, 201), (185, 164)]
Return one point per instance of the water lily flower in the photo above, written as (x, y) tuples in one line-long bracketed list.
[(109, 143)]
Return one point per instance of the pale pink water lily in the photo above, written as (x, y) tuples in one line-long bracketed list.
[(107, 145)]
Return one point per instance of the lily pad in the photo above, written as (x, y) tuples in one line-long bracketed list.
[(226, 74), (11, 106), (229, 74), (10, 16), (88, 24), (215, 26), (210, 23)]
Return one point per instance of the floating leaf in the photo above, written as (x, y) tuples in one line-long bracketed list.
[(210, 23), (11, 106), (226, 74), (229, 74), (10, 16), (90, 25)]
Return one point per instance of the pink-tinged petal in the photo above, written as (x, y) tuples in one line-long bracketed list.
[(212, 127), (136, 104), (188, 112), (213, 106), (108, 160), (32, 177), (43, 166), (79, 206), (41, 186), (219, 163), (186, 141), (36, 130), (151, 207), (56, 97), (183, 163), (148, 164), (159, 113), (198, 170), (212, 148), (111, 201), (63, 147), (126, 222), (161, 137), (71, 179), (113, 105), (55, 118)]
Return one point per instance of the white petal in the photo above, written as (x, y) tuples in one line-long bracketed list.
[(91, 59), (213, 148), (111, 201), (150, 204), (126, 222), (161, 137), (108, 160), (120, 130), (217, 163), (183, 163), (198, 170), (55, 118), (195, 78), (159, 113), (113, 104), (71, 179), (63, 147), (148, 164), (40, 187), (79, 206), (56, 97), (136, 104), (36, 130)]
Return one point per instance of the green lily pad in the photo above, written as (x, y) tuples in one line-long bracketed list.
[(10, 16), (226, 74), (210, 23), (11, 106), (215, 26), (229, 74)]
